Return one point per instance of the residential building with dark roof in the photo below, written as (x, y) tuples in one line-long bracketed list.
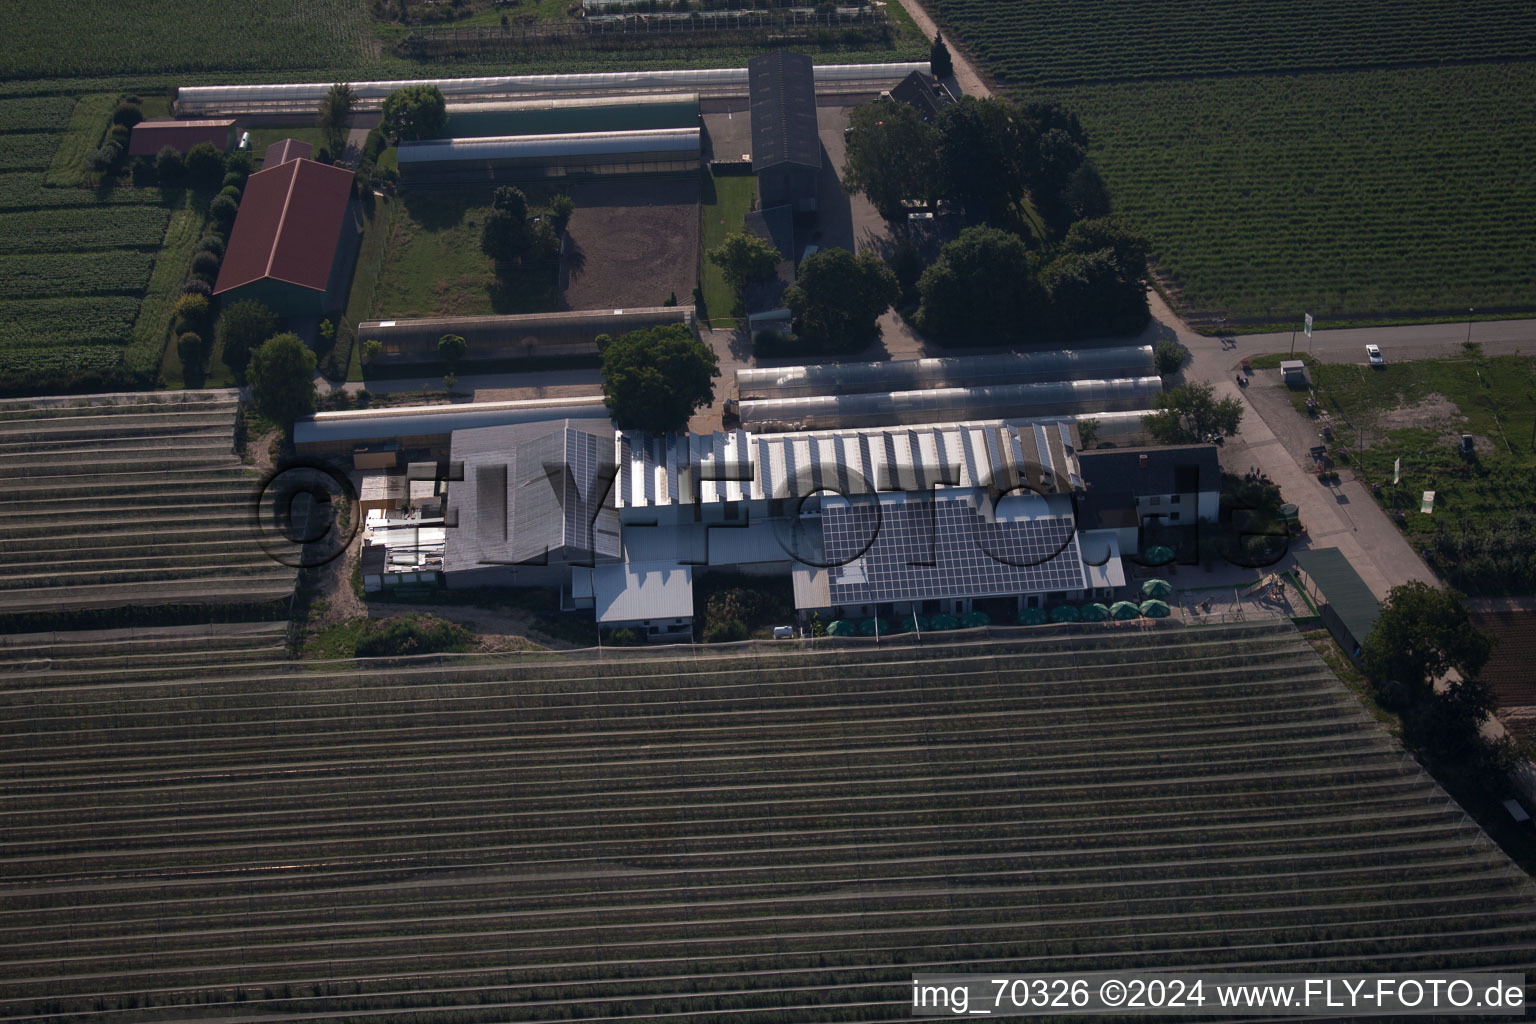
[(150, 137), (786, 145), (917, 91), (1180, 483), (292, 244)]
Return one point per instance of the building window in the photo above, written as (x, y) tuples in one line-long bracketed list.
[(1173, 500), (1156, 500), (1173, 517)]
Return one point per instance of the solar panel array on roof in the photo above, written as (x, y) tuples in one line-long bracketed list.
[(783, 90), (944, 547)]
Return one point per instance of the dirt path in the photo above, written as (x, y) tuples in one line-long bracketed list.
[(966, 79)]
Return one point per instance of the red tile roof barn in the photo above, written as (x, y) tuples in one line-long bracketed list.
[(149, 137), (289, 222), (282, 152)]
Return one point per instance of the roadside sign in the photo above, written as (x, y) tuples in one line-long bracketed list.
[(1427, 505), (1397, 472), (1309, 324)]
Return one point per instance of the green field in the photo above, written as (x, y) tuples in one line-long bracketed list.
[(1367, 162), (432, 264), (1481, 536), (724, 201)]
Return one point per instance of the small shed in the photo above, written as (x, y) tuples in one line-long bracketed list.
[(1293, 370), (149, 137), (1348, 607)]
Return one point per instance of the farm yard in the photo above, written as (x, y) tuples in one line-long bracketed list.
[(194, 823), (634, 243), (119, 501), (1367, 163)]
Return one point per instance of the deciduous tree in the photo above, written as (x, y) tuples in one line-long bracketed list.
[(242, 327), (892, 155), (415, 112), (655, 379), (335, 109), (1189, 412), (980, 290), (282, 378), (1422, 633), (838, 297), (744, 258)]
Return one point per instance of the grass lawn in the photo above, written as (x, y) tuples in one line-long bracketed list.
[(266, 135), (365, 278), (152, 329), (723, 202), (433, 266), (71, 164), (1480, 535)]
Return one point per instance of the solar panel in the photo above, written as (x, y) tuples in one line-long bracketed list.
[(944, 547)]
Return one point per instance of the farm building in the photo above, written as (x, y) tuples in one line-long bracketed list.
[(430, 427), (150, 137), (927, 96), (572, 115), (525, 337), (786, 146), (1180, 483), (282, 151), (713, 83), (1348, 607), (288, 248), (524, 157), (940, 405)]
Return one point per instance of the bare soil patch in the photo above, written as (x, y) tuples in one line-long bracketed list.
[(1433, 412), (632, 244)]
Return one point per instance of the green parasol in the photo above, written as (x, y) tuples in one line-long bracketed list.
[(1095, 612), (1065, 613), (1156, 588), (840, 628), (1123, 610), (1155, 609), (1032, 617)]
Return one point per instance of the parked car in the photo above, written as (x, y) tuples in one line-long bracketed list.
[(1373, 353)]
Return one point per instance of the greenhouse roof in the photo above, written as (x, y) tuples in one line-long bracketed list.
[(533, 147)]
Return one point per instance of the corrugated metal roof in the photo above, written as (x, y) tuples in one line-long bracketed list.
[(635, 591), (289, 223), (149, 137), (682, 469), (1343, 590), (782, 86), (427, 420)]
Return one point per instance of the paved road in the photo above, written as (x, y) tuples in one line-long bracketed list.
[(1420, 341)]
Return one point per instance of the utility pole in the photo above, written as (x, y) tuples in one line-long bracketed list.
[(1468, 342)]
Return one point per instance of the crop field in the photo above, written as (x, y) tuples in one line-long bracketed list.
[(75, 262), (96, 37), (1367, 163), (1055, 42), (193, 828), (134, 502)]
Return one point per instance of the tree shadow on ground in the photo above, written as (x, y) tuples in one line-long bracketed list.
[(436, 209)]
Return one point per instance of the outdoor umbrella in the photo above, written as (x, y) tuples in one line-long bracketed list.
[(1157, 555), (1032, 617), (840, 628), (1095, 612), (1155, 609), (900, 624), (970, 620), (874, 627), (1065, 613), (922, 622), (1124, 610), (1156, 588), (943, 621)]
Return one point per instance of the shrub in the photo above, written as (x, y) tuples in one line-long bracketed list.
[(170, 166), (1170, 356), (193, 313), (364, 396), (190, 347), (724, 632), (197, 286), (560, 209), (205, 165), (205, 262), (119, 134), (623, 638), (413, 634), (213, 244), (127, 113), (240, 163), (768, 344), (107, 157), (230, 192), (243, 326), (223, 210)]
